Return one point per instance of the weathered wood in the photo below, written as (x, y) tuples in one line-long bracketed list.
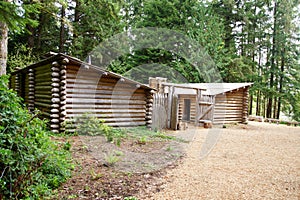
[(59, 92), (104, 101), (103, 92), (55, 69), (47, 101), (41, 104), (113, 119), (99, 96), (55, 80), (55, 85), (44, 88), (127, 124), (39, 84), (39, 74), (42, 97), (205, 112), (169, 104), (108, 111), (55, 74), (174, 114), (105, 106), (55, 116)]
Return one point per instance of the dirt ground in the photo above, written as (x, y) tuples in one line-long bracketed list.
[(254, 161), (257, 161)]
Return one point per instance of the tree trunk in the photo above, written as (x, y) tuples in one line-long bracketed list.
[(251, 104), (269, 106), (258, 103), (76, 17), (275, 107), (280, 83), (42, 21), (62, 31), (3, 47)]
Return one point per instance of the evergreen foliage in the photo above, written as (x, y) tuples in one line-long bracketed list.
[(248, 41)]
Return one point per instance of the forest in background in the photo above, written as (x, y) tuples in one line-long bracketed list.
[(249, 40)]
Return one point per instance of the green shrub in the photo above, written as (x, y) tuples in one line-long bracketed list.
[(90, 125), (31, 164)]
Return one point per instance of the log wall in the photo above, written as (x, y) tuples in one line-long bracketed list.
[(42, 90), (193, 109), (116, 101), (62, 92), (231, 107)]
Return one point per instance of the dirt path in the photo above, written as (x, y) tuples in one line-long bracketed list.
[(258, 161)]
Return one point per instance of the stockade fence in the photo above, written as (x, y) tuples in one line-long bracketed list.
[(160, 111)]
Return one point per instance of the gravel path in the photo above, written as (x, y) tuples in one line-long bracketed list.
[(258, 161)]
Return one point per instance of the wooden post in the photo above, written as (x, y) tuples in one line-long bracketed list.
[(174, 115), (198, 98), (169, 109), (31, 90), (213, 100)]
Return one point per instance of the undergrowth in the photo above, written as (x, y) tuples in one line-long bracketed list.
[(31, 164)]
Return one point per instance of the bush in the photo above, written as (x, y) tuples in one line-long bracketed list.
[(31, 164), (90, 125)]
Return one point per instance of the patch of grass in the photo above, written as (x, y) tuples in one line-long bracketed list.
[(72, 196), (143, 134), (111, 159), (94, 175), (118, 153), (130, 198), (169, 148), (142, 140)]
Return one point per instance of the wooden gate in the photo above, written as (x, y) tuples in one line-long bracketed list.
[(206, 107), (160, 111)]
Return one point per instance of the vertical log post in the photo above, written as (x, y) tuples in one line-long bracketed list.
[(169, 108), (55, 100), (245, 105), (63, 94), (31, 91), (198, 108)]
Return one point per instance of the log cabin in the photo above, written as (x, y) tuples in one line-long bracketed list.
[(219, 103), (63, 88)]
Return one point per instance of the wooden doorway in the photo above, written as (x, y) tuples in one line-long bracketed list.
[(186, 110)]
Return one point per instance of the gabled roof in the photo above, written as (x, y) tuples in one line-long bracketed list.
[(51, 57), (219, 88)]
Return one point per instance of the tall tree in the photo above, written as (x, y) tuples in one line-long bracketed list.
[(13, 17), (191, 18)]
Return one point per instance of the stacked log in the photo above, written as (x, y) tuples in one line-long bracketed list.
[(55, 98), (17, 83), (231, 107), (245, 105), (116, 101), (31, 84), (42, 90), (63, 94), (149, 108)]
